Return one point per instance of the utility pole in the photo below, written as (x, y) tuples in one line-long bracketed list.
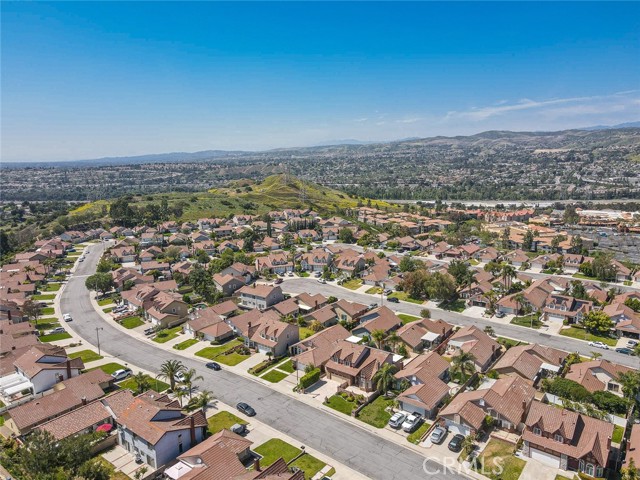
[(98, 337)]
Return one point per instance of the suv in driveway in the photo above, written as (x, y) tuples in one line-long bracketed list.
[(397, 420), (121, 374), (412, 422)]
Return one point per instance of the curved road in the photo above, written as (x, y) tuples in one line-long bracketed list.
[(358, 448)]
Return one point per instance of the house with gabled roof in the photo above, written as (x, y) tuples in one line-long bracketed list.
[(531, 362), (568, 440), (380, 318), (260, 296), (424, 334), (317, 349), (427, 376), (471, 339), (598, 375)]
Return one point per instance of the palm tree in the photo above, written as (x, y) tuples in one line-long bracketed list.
[(203, 400), (169, 370), (595, 355), (468, 444), (507, 272), (393, 339), (142, 382), (489, 330), (630, 382), (378, 337), (316, 326), (180, 394), (519, 299), (188, 379), (463, 363), (384, 377)]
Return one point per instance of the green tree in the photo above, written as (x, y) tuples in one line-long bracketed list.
[(203, 401), (104, 266), (142, 382), (345, 235), (425, 313), (384, 378), (504, 238), (463, 365), (201, 281), (508, 273), (527, 241), (630, 472), (461, 272), (169, 370), (603, 267), (32, 310), (189, 377), (100, 282), (441, 287), (597, 322), (379, 337), (94, 470), (630, 382), (407, 264)]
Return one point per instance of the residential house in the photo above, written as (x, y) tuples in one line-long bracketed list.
[(471, 339), (349, 263), (278, 263), (260, 296), (228, 284), (349, 312), (424, 334), (598, 375), (506, 400), (326, 316), (247, 272), (517, 258), (568, 440), (317, 349), (427, 376), (309, 303), (381, 318), (633, 448), (167, 310), (315, 260), (531, 362), (273, 336), (562, 308), (210, 323), (124, 254)]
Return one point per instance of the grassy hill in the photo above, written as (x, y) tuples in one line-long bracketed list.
[(276, 192)]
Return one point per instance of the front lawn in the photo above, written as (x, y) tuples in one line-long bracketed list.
[(618, 432), (529, 321), (86, 356), (583, 277), (508, 342), (210, 353), (223, 420), (47, 311), (131, 322), (105, 301), (352, 284), (186, 344), (232, 359), (54, 337), (340, 404), (457, 306), (154, 384), (287, 366), (417, 435), (47, 324), (582, 334), (498, 461), (375, 414), (374, 291), (405, 298), (44, 297), (108, 368), (274, 376), (407, 318), (275, 448), (163, 336), (107, 310), (51, 287)]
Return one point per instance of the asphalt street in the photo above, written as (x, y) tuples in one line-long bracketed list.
[(300, 285), (360, 449)]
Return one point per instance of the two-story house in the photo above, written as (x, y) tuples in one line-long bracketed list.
[(260, 296), (427, 376)]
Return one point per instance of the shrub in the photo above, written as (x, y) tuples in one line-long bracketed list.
[(567, 389), (310, 378), (609, 402)]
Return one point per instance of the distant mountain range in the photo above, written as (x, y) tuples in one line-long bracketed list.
[(335, 146)]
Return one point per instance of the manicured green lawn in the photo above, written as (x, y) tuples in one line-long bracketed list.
[(374, 291), (340, 404), (417, 435), (287, 366), (405, 298), (274, 376), (526, 321), (105, 301), (584, 277), (406, 318), (458, 306), (275, 448), (561, 477), (131, 322), (186, 344), (44, 297), (222, 420), (581, 334), (232, 359), (352, 284), (51, 287), (47, 324), (108, 368), (164, 336), (154, 384), (1, 420), (618, 432), (304, 332), (54, 337), (508, 342), (47, 311), (107, 310), (210, 353), (499, 453), (86, 356), (375, 414)]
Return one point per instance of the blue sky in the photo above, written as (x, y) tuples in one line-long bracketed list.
[(86, 80)]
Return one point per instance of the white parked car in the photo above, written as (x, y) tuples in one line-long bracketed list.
[(67, 317), (397, 420), (121, 374), (599, 345), (412, 422)]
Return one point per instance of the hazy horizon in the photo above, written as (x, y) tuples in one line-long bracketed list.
[(92, 80)]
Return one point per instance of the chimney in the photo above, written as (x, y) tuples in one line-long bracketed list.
[(256, 465), (192, 430), (68, 368), (9, 314), (84, 400)]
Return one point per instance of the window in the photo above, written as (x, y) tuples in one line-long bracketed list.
[(613, 387), (558, 438), (537, 431)]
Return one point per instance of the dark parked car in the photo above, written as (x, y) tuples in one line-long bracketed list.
[(499, 314), (213, 366), (626, 351), (246, 409), (149, 331), (393, 300), (277, 281), (455, 445)]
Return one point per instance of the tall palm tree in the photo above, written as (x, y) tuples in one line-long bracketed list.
[(379, 336), (142, 382), (203, 401), (519, 299), (180, 394), (595, 355), (393, 339), (169, 370), (630, 382), (508, 273), (189, 377), (463, 363), (383, 379)]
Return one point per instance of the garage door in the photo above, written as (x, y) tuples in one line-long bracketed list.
[(457, 428), (545, 458)]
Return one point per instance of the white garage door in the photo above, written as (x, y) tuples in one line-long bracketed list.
[(545, 458), (407, 407), (457, 428)]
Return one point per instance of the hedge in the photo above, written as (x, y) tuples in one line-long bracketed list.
[(310, 378)]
